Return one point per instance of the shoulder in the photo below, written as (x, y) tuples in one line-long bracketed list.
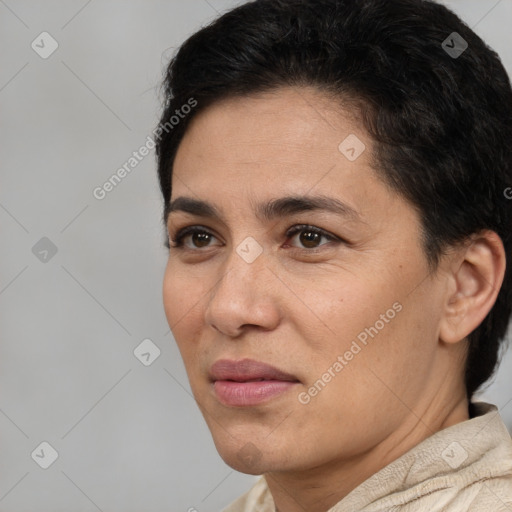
[(494, 494)]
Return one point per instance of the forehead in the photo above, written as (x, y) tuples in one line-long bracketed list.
[(287, 136)]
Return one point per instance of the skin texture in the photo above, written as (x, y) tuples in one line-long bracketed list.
[(301, 303)]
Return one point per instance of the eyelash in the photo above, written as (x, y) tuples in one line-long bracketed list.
[(177, 241)]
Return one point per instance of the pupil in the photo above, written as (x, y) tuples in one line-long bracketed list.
[(308, 238), (200, 238)]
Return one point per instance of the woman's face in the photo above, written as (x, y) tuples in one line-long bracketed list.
[(343, 307)]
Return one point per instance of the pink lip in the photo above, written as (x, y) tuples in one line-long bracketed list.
[(248, 382)]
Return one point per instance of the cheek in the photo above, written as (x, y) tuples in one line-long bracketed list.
[(182, 289), (345, 311), (182, 295), (372, 323), (395, 360)]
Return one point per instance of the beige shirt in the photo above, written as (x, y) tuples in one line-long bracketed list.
[(463, 468)]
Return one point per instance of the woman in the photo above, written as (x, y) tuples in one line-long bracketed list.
[(334, 177)]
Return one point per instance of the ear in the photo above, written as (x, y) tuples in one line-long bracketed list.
[(476, 277)]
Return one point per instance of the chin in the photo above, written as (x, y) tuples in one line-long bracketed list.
[(248, 460), (243, 455)]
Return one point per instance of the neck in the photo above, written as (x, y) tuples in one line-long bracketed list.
[(320, 488)]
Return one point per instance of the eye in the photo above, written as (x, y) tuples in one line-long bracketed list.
[(309, 236), (198, 237)]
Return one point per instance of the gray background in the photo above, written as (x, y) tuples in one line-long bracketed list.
[(129, 436)]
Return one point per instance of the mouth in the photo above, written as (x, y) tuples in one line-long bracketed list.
[(247, 382)]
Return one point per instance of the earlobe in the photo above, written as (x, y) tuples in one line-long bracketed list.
[(476, 279)]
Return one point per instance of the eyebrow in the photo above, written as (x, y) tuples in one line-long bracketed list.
[(275, 208)]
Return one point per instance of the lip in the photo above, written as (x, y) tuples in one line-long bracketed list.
[(248, 382)]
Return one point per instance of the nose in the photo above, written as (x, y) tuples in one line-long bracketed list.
[(246, 294)]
